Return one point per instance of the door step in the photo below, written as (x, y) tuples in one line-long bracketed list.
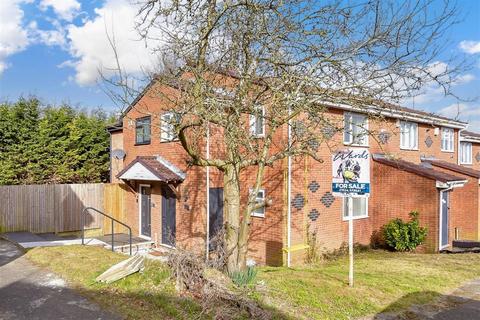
[(142, 247)]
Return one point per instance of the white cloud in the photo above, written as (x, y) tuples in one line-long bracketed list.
[(65, 9), (13, 38), (470, 47), (432, 92), (461, 110), (55, 37), (90, 48)]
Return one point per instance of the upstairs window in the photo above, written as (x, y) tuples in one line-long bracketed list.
[(408, 135), (360, 208), (260, 212), (257, 123), (355, 130), (465, 152), (167, 126), (448, 139), (142, 130)]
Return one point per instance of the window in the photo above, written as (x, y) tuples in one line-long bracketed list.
[(168, 121), (257, 123), (448, 139), (408, 135), (142, 130), (360, 208), (465, 152), (355, 129), (260, 212)]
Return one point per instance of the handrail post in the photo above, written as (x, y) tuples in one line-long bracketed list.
[(112, 237), (130, 236), (82, 219)]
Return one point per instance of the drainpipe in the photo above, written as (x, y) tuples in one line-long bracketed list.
[(289, 191), (207, 249), (458, 148)]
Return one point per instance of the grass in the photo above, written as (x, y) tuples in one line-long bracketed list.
[(384, 282), (147, 295)]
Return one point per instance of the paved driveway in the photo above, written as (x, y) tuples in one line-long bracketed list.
[(28, 292)]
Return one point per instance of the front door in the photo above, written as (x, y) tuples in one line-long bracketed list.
[(215, 215), (169, 204), (444, 199), (145, 211)]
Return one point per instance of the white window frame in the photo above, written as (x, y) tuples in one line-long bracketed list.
[(260, 212), (167, 133), (406, 130), (253, 122), (468, 158), (448, 140), (349, 128), (345, 210)]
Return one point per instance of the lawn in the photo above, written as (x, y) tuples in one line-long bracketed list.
[(384, 282)]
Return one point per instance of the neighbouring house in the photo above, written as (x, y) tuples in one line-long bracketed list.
[(470, 149), (174, 204)]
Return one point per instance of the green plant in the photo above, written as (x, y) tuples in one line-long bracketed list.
[(244, 278), (404, 236), (312, 254)]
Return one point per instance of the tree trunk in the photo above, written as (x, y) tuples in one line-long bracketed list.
[(232, 216)]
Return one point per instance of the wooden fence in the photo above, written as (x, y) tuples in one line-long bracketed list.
[(58, 208)]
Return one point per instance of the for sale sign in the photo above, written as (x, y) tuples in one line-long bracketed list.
[(351, 173)]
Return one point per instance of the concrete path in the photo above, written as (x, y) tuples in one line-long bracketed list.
[(461, 304), (28, 292)]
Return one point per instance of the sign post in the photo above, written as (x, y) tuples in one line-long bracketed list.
[(351, 179)]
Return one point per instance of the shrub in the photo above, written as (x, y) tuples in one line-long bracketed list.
[(404, 236), (312, 254), (244, 278)]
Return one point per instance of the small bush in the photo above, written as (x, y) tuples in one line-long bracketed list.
[(312, 254), (244, 278), (404, 236)]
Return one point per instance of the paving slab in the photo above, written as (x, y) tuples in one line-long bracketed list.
[(29, 292), (28, 240)]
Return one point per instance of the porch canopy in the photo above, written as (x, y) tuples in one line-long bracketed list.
[(152, 168), (453, 167), (443, 179)]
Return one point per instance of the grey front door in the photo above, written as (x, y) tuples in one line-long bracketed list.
[(145, 211), (169, 204), (215, 217), (444, 218)]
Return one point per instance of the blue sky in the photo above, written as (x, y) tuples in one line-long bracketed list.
[(53, 49)]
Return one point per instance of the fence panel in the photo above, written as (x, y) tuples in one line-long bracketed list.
[(114, 206), (58, 208)]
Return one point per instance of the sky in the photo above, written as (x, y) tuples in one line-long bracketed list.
[(54, 49)]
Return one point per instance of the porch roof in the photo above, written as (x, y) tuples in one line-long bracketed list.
[(454, 167), (419, 169), (151, 168)]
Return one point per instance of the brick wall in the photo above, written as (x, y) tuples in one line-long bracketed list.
[(269, 234)]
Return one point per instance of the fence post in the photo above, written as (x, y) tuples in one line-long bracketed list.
[(112, 236)]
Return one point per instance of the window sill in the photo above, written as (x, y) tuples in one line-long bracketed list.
[(356, 145), (257, 215), (355, 218), (467, 163), (142, 143), (409, 149), (448, 151)]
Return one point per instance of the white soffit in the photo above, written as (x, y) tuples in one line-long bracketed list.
[(139, 172)]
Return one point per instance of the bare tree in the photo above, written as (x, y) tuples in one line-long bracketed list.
[(280, 63)]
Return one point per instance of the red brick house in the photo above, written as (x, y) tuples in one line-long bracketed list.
[(174, 204)]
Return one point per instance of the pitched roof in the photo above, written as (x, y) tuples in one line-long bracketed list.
[(470, 136), (161, 169), (377, 106), (417, 169), (454, 167)]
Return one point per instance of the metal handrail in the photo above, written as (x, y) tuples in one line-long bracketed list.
[(84, 213)]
